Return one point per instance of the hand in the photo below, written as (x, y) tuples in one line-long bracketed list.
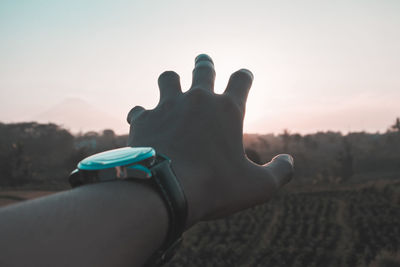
[(202, 132)]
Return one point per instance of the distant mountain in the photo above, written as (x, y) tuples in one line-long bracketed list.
[(77, 115)]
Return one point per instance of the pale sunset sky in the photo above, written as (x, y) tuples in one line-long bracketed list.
[(318, 65)]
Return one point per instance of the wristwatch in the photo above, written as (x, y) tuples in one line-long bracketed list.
[(141, 164)]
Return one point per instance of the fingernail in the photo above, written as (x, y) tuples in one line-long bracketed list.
[(248, 72), (285, 157), (203, 57)]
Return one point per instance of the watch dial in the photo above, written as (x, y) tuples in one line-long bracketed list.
[(117, 157)]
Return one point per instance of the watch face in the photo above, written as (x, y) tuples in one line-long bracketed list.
[(120, 157)]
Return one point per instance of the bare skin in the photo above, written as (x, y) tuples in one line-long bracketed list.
[(202, 133), (122, 223)]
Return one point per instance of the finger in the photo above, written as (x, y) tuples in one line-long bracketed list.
[(169, 84), (134, 113), (239, 85), (203, 73), (281, 168)]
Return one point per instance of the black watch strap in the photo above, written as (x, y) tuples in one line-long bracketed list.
[(167, 184)]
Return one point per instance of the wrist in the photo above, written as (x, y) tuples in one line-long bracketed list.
[(141, 165), (190, 178)]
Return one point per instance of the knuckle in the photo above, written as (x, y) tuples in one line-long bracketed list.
[(198, 94), (205, 65)]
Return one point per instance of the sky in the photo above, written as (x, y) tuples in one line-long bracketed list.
[(318, 65)]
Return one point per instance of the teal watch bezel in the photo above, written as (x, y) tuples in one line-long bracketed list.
[(130, 157)]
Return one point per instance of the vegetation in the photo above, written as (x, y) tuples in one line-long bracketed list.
[(346, 227), (43, 155), (342, 208)]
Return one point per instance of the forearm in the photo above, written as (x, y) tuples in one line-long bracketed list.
[(107, 224)]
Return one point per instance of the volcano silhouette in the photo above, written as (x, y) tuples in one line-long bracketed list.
[(78, 115)]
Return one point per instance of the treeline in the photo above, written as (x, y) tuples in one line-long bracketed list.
[(44, 154), (331, 157)]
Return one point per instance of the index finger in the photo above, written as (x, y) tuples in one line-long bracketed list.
[(239, 85)]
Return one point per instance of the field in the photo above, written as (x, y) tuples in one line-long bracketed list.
[(303, 227), (341, 227)]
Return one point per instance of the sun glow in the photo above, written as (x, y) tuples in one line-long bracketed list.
[(311, 63)]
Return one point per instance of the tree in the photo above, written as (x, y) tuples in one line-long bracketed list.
[(396, 126), (286, 140)]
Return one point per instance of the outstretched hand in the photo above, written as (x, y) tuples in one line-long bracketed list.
[(202, 133)]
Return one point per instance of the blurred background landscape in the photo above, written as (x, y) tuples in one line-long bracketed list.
[(326, 90), (341, 209)]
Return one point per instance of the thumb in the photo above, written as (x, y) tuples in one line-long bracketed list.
[(281, 168)]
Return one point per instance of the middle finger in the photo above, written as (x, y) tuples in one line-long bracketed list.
[(203, 73)]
